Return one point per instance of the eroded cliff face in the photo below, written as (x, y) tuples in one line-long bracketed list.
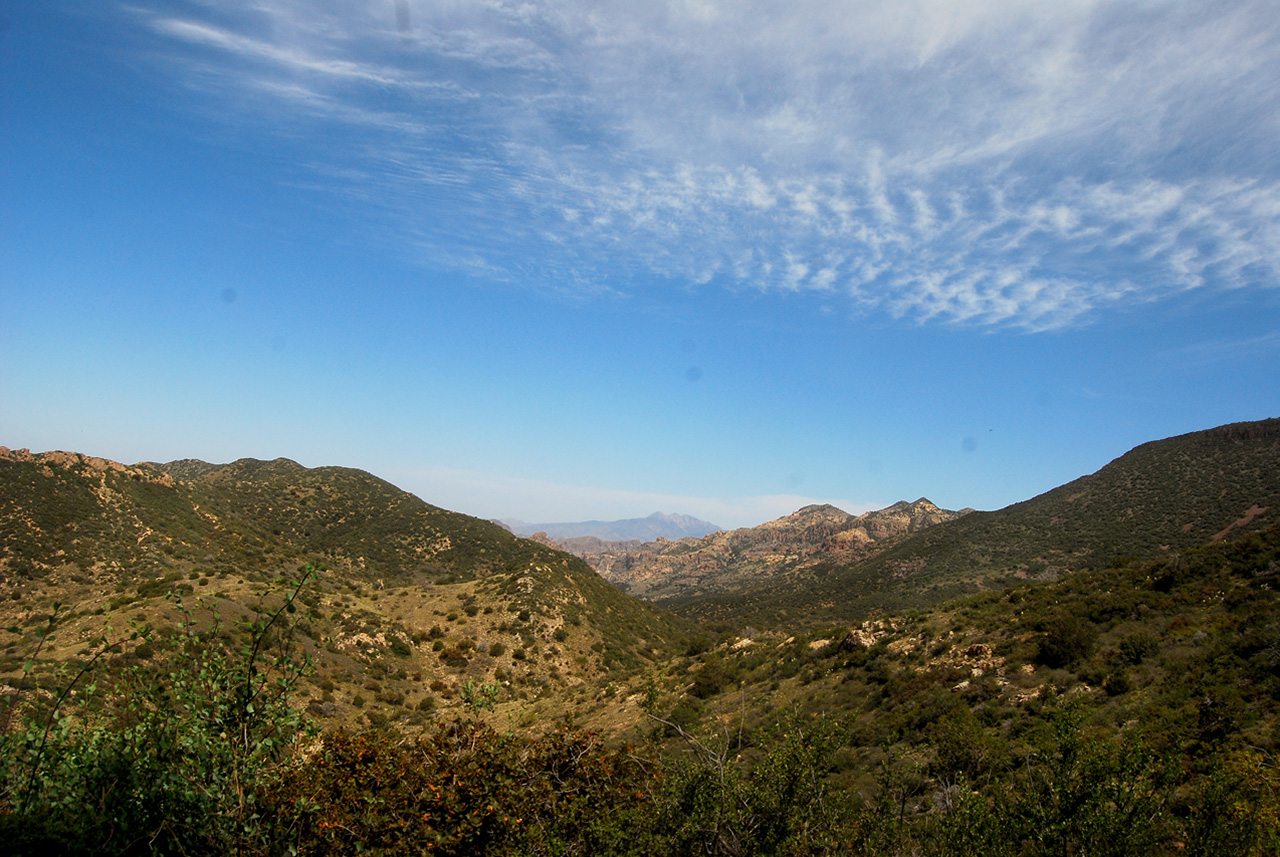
[(731, 559)]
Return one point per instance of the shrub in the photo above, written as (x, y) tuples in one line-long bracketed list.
[(1066, 642), (1138, 646), (463, 789), (167, 759), (712, 803), (710, 678), (399, 647)]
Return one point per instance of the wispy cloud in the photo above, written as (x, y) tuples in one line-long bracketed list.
[(289, 58), (996, 163), (1240, 352)]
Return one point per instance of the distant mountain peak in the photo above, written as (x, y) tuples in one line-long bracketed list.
[(818, 509), (658, 525)]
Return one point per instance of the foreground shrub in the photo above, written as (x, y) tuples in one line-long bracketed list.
[(462, 788), (155, 759), (1067, 641), (713, 803)]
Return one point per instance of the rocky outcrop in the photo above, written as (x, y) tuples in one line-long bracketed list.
[(732, 559), (85, 465)]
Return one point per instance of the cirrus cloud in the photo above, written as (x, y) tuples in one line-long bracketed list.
[(996, 163)]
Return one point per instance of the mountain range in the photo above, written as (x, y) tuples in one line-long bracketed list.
[(728, 561), (1159, 498), (417, 600), (1092, 670)]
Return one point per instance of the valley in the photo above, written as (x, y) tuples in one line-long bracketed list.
[(932, 664)]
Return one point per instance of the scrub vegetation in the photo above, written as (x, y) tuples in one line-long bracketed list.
[(175, 684), (1129, 711)]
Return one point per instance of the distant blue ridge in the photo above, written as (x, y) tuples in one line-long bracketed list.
[(655, 526)]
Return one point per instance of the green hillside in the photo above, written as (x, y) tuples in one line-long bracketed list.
[(1129, 710), (1160, 498), (64, 509), (413, 603)]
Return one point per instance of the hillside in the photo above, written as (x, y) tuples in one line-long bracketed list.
[(1160, 498), (414, 600), (1132, 709), (728, 561), (78, 513)]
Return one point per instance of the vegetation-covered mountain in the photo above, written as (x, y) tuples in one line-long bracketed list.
[(67, 511), (1160, 498), (729, 561), (414, 602), (1112, 691)]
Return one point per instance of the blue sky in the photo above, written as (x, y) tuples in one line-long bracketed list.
[(570, 260)]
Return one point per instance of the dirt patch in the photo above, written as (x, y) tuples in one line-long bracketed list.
[(1249, 514)]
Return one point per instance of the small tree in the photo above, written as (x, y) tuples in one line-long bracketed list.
[(1066, 642)]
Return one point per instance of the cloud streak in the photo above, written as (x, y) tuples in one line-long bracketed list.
[(997, 164)]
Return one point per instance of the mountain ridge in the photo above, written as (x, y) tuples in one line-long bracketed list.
[(414, 601), (1158, 498), (97, 534), (655, 526), (729, 559)]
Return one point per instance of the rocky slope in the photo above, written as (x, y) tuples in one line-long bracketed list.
[(728, 560)]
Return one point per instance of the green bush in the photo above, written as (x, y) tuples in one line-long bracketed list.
[(167, 758), (712, 803), (1066, 642), (399, 647), (1137, 647), (710, 677)]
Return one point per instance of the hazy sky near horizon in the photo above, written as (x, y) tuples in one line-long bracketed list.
[(568, 260)]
